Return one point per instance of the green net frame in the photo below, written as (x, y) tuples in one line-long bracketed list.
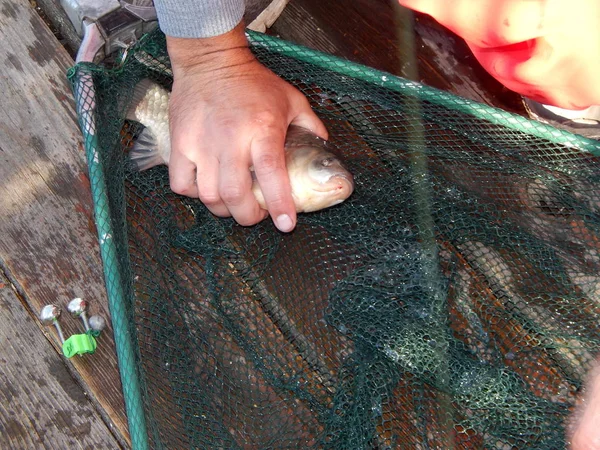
[(531, 143)]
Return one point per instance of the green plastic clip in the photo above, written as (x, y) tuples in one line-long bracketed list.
[(79, 344)]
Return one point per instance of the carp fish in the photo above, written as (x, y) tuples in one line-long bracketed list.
[(318, 177)]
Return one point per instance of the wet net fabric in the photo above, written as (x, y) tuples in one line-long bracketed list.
[(451, 302)]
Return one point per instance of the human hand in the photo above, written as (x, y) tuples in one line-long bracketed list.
[(583, 431), (546, 50), (227, 113)]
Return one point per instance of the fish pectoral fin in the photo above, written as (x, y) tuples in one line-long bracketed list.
[(144, 153)]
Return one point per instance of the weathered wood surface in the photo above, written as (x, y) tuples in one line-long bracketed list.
[(48, 241), (369, 32), (41, 405), (56, 18)]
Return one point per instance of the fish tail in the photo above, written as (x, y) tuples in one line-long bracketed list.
[(145, 153)]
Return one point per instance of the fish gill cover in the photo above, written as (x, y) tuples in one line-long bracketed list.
[(451, 302)]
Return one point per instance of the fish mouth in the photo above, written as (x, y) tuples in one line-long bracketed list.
[(341, 182), (346, 179)]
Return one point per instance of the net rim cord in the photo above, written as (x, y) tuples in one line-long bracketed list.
[(476, 109)]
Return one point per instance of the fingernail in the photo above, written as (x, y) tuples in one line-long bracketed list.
[(284, 223)]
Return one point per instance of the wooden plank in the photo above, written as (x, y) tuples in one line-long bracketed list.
[(56, 18), (369, 32), (41, 405), (48, 241)]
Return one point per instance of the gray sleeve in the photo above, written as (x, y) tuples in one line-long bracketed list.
[(198, 18)]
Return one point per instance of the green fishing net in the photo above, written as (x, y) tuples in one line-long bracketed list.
[(451, 302)]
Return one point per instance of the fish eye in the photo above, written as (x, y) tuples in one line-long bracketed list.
[(326, 162)]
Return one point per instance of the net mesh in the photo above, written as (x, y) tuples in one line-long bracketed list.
[(450, 302)]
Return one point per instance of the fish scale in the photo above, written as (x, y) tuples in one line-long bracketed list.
[(151, 108)]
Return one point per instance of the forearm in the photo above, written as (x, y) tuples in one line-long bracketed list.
[(198, 18), (210, 56)]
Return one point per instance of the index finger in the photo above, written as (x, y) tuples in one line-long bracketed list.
[(493, 23), (268, 156)]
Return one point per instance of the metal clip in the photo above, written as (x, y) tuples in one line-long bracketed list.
[(117, 29), (76, 344)]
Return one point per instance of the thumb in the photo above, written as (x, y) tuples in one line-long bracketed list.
[(305, 117), (311, 122)]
